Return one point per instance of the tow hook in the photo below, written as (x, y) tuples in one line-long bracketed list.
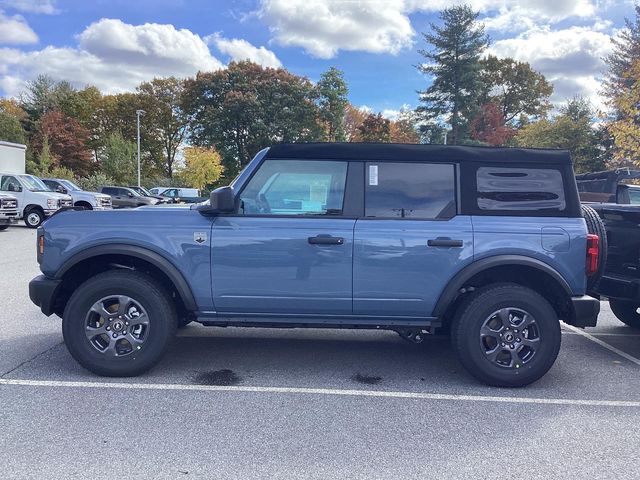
[(413, 336)]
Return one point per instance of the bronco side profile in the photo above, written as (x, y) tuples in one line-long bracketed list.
[(489, 241)]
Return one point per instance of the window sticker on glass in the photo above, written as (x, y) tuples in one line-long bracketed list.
[(373, 175)]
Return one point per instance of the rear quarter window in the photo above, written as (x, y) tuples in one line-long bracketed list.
[(520, 189)]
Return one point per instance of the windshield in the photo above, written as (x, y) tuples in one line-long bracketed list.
[(69, 185), (34, 184)]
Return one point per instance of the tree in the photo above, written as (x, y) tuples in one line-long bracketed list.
[(514, 87), (332, 101), (572, 129), (67, 140), (44, 161), (42, 95), (403, 129), (375, 128), (626, 130), (10, 129), (164, 122), (245, 107), (119, 160), (490, 126), (625, 52), (202, 167), (353, 118), (454, 63)]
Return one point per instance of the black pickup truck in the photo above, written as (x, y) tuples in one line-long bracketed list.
[(618, 205)]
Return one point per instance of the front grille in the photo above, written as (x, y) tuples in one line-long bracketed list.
[(105, 202), (8, 204), (65, 203)]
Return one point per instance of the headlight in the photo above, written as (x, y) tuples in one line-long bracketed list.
[(52, 203)]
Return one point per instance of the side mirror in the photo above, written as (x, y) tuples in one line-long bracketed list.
[(61, 189), (222, 200), (130, 195), (15, 188)]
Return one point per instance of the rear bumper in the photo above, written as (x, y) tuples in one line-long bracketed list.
[(586, 310), (618, 286), (42, 292)]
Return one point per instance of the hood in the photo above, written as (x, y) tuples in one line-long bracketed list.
[(56, 195)]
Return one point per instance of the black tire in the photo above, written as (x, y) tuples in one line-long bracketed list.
[(534, 356), (3, 227), (626, 311), (33, 217), (85, 205), (146, 294), (596, 226)]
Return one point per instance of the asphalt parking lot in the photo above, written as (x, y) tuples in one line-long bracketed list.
[(234, 403)]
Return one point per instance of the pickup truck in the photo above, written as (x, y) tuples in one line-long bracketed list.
[(80, 197), (618, 205), (35, 201), (8, 210), (490, 241)]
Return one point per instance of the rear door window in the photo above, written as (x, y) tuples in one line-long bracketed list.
[(520, 189), (410, 190)]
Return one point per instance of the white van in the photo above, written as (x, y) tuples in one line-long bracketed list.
[(35, 201)]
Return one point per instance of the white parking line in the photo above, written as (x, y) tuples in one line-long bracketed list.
[(611, 348), (322, 391)]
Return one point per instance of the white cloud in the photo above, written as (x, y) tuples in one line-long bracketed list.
[(324, 27), (113, 56), (32, 6), (15, 30), (239, 50), (571, 58)]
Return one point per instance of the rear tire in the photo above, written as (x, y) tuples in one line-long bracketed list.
[(119, 323), (506, 335), (33, 217), (595, 226), (626, 311), (3, 227)]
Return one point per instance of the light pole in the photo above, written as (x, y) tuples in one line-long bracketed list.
[(138, 113)]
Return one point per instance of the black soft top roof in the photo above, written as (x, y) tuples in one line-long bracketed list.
[(413, 152)]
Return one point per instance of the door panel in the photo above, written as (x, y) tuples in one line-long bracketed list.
[(396, 272), (268, 265)]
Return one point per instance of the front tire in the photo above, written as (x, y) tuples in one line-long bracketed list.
[(626, 311), (119, 323), (506, 335), (3, 227), (33, 217)]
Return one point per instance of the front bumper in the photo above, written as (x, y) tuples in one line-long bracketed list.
[(586, 310), (43, 292)]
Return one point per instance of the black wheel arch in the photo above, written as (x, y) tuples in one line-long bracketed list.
[(150, 257), (548, 278)]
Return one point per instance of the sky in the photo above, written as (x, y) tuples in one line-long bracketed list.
[(116, 44)]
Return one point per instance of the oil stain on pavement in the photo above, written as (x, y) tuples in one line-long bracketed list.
[(366, 379), (217, 377)]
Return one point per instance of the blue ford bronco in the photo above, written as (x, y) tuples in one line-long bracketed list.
[(490, 243)]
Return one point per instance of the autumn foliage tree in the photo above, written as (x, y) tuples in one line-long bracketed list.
[(202, 167), (490, 126), (375, 128), (67, 142)]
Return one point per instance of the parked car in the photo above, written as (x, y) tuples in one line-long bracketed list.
[(146, 193), (618, 205), (8, 210), (490, 241), (607, 187), (81, 198), (124, 197), (183, 195), (35, 201)]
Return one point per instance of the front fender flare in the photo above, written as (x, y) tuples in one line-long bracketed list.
[(157, 260)]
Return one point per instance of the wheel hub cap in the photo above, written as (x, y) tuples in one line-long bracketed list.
[(117, 325), (510, 337)]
